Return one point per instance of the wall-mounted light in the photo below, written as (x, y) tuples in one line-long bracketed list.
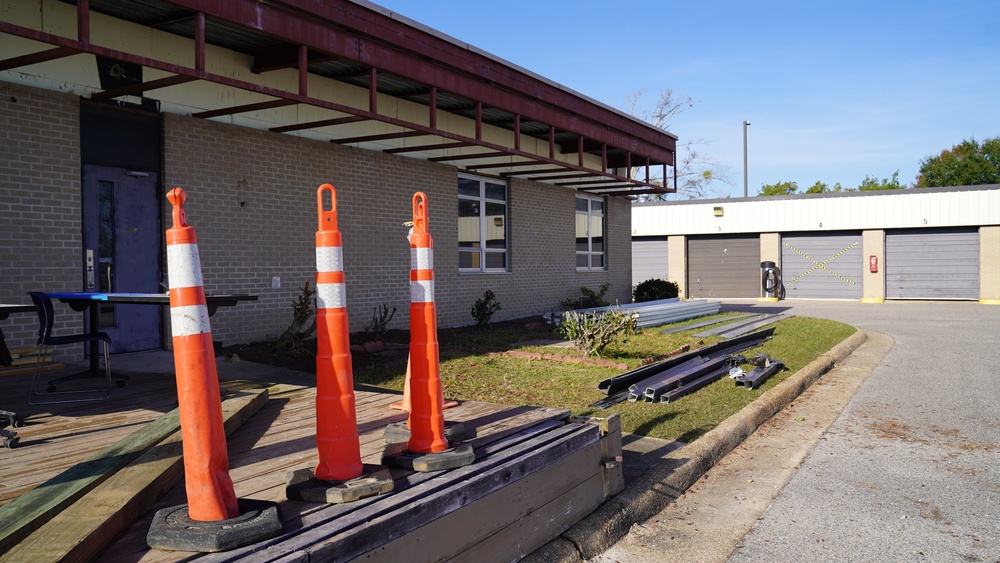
[(717, 211)]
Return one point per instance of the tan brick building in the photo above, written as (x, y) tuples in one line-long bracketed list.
[(104, 108)]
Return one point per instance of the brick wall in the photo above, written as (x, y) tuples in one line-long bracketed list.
[(40, 230), (252, 199)]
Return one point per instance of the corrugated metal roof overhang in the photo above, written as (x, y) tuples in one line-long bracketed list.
[(364, 45)]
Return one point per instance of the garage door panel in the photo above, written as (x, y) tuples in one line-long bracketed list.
[(649, 260), (724, 267), (932, 264), (822, 265)]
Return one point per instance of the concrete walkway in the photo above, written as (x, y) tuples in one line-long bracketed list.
[(908, 471)]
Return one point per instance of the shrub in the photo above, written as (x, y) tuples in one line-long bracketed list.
[(379, 324), (591, 333), (588, 298), (484, 307), (653, 289)]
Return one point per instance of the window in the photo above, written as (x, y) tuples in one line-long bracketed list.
[(482, 225), (590, 233)]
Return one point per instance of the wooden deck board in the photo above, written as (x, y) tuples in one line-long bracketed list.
[(280, 438)]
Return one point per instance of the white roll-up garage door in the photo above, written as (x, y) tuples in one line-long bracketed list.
[(932, 264), (822, 265), (649, 260)]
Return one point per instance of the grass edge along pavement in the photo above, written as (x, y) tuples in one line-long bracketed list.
[(653, 491)]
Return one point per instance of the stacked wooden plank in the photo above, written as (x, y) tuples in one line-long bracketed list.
[(525, 488), (24, 361)]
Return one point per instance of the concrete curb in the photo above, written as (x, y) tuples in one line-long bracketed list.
[(649, 494)]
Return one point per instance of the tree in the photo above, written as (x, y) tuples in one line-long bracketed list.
[(780, 188), (872, 184), (965, 164), (823, 188), (698, 175)]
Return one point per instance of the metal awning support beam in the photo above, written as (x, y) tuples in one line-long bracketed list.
[(327, 27), (244, 108), (382, 137), (423, 148), (39, 57), (317, 124), (357, 32), (140, 89)]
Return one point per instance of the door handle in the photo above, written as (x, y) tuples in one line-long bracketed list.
[(90, 269)]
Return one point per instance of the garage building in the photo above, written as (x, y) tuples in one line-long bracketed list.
[(931, 243)]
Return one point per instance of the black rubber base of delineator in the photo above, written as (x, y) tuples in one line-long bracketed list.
[(398, 433), (396, 455), (173, 530), (303, 485)]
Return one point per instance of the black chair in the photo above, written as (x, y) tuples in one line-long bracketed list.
[(46, 318)]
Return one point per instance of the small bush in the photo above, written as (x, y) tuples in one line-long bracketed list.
[(591, 333), (379, 324), (654, 289), (484, 307), (588, 298)]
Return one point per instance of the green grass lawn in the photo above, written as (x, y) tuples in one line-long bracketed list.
[(474, 368)]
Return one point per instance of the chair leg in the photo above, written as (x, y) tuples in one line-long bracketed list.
[(51, 386)]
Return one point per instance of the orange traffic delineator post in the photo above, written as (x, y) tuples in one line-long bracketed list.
[(428, 448), (339, 476), (214, 519)]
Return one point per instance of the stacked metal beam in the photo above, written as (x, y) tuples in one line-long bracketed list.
[(673, 378)]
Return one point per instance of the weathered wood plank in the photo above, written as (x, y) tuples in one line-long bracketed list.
[(82, 530), (458, 531), (25, 514), (528, 534), (408, 486)]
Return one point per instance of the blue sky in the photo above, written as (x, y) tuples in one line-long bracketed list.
[(834, 91)]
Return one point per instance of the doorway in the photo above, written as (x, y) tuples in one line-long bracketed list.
[(121, 242)]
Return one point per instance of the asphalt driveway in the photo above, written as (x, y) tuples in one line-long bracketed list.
[(910, 471)]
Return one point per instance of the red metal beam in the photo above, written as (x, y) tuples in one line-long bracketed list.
[(354, 32), (468, 156), (422, 148), (39, 57), (382, 137), (243, 109), (318, 124), (139, 89), (533, 162)]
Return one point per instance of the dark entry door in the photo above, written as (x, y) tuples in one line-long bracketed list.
[(121, 242)]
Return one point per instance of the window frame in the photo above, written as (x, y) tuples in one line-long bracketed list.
[(483, 249), (590, 214)]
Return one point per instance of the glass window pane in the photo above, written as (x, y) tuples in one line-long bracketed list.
[(468, 260), (468, 187), (496, 225), (581, 260), (496, 191), (581, 204), (496, 260), (596, 234), (596, 260), (597, 206), (468, 223)]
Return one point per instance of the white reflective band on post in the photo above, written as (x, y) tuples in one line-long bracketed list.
[(331, 296), (421, 258), (183, 266), (189, 320), (329, 259), (422, 291)]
